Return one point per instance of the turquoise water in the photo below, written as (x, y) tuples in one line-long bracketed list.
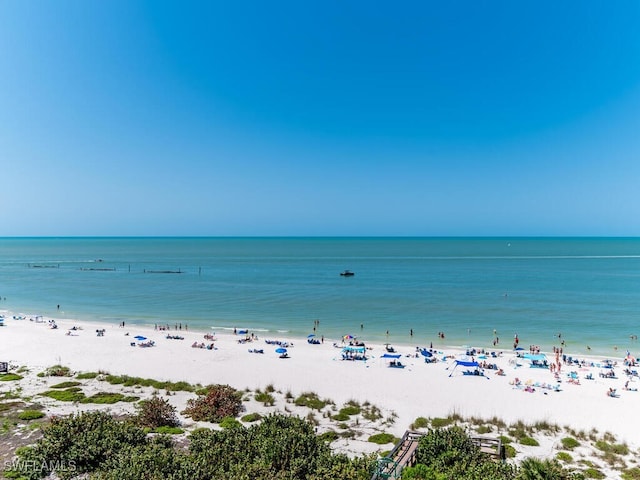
[(587, 289)]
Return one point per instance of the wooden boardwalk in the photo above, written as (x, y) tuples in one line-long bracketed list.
[(404, 454)]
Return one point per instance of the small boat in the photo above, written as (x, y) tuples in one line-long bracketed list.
[(347, 273)]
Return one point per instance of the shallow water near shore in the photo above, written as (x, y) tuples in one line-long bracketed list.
[(585, 289)]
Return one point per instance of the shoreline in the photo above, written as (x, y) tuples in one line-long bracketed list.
[(418, 390), (594, 350)]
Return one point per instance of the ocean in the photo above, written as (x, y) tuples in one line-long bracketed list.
[(583, 291)]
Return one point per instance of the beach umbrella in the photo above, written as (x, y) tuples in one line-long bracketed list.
[(140, 337), (348, 337), (426, 353), (281, 350), (311, 335)]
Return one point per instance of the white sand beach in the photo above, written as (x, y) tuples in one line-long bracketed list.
[(419, 390)]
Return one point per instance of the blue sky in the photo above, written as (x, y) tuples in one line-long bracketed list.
[(319, 118)]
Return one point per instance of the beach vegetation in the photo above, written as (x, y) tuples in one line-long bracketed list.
[(505, 440), (310, 400), (10, 377), (545, 426), (382, 438), (420, 422), (593, 473), (509, 451), (30, 415), (482, 429), (109, 398), (371, 412), (251, 417), (615, 448), (229, 422), (156, 412), (564, 457), (68, 384), (340, 417), (329, 436), (311, 418), (631, 474), (8, 406), (450, 453), (270, 388), (529, 442), (167, 430), (569, 443), (265, 398), (86, 375), (439, 422), (73, 394), (220, 401), (348, 433), (351, 408), (56, 371), (536, 469), (128, 381), (77, 444)]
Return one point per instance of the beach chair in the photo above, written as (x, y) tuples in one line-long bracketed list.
[(4, 367)]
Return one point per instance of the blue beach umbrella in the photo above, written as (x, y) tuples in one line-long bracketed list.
[(281, 350), (426, 353), (312, 335), (140, 337)]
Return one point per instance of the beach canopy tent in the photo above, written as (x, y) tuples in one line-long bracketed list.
[(389, 355), (464, 363), (537, 360), (354, 353), (540, 357)]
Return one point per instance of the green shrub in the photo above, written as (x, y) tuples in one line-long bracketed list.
[(482, 429), (66, 385), (371, 412), (30, 415), (251, 417), (340, 417), (10, 377), (311, 400), (510, 451), (109, 398), (229, 422), (441, 422), (420, 422), (593, 473), (529, 441), (219, 402), (329, 436), (564, 457), (77, 444), (167, 430), (569, 443), (73, 394), (56, 371), (631, 474), (351, 408), (87, 375), (265, 398), (382, 438), (616, 448), (156, 412)]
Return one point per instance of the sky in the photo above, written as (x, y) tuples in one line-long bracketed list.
[(319, 118)]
